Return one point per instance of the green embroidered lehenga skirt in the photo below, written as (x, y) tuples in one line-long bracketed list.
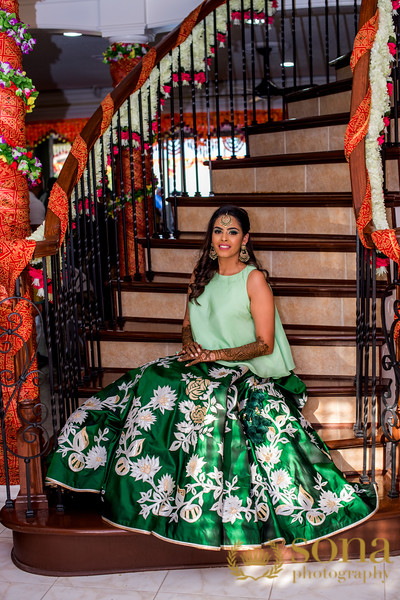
[(207, 456)]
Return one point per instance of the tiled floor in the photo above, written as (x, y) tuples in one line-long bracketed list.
[(305, 581)]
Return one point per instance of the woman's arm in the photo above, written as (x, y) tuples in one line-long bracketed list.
[(189, 346), (263, 312)]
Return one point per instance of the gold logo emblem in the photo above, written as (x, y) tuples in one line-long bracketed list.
[(257, 557)]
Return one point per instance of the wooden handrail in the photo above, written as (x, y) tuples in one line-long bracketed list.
[(358, 171), (91, 131)]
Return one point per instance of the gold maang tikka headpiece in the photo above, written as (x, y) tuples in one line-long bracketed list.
[(226, 220)]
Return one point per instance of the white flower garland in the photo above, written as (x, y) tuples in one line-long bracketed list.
[(379, 74)]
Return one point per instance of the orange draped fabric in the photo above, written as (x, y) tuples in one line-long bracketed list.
[(15, 251), (64, 129)]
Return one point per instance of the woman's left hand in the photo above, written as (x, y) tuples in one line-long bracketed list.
[(202, 356)]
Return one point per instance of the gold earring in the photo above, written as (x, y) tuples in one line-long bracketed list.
[(212, 253), (244, 255)]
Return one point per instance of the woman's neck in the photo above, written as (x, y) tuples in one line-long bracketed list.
[(230, 266)]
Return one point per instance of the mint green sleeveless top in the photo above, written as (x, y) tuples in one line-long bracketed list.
[(223, 320)]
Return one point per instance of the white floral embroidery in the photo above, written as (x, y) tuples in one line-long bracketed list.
[(231, 509), (145, 468), (164, 398), (194, 466)]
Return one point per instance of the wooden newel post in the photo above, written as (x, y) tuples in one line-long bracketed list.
[(30, 470)]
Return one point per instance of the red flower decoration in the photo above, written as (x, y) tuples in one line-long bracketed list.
[(392, 48), (390, 88)]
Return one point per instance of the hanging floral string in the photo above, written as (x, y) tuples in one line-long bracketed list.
[(118, 51), (382, 57), (19, 83), (21, 159), (18, 31)]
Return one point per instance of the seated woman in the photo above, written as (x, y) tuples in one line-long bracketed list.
[(209, 448)]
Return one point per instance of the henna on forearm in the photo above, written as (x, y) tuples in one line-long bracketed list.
[(238, 354), (187, 337), (246, 352)]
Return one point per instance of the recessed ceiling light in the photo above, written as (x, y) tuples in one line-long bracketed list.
[(71, 34), (287, 64)]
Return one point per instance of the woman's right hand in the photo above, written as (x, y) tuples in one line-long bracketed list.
[(190, 351)]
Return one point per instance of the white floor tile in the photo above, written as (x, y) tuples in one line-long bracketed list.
[(214, 582), (14, 489), (59, 592), (16, 591), (10, 573), (178, 596), (392, 583), (6, 533), (330, 581), (146, 581)]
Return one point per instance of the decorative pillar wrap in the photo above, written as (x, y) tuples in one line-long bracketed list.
[(15, 251), (119, 68)]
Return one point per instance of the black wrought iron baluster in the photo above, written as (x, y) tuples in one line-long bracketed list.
[(120, 319), (86, 375), (337, 29), (69, 321), (74, 292), (166, 150), (216, 87), (294, 43), (66, 339), (127, 277), (92, 270), (360, 283), (244, 77), (366, 341), (9, 502), (373, 365), (327, 40), (193, 90), (98, 276), (230, 76), (47, 312), (156, 231), (109, 303), (55, 270), (73, 316), (253, 62), (137, 276), (390, 419), (149, 272), (310, 43), (173, 134), (160, 144), (207, 92), (181, 127), (267, 65), (86, 282), (283, 55)]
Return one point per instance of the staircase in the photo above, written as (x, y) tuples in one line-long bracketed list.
[(295, 184)]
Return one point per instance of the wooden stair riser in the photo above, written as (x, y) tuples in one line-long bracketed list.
[(315, 139), (323, 105), (293, 310), (328, 177), (324, 265), (349, 460), (324, 359), (327, 412), (334, 220)]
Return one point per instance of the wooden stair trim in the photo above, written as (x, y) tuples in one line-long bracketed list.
[(282, 287), (301, 123), (298, 158), (289, 199), (301, 199), (298, 335), (335, 87), (284, 242), (279, 160)]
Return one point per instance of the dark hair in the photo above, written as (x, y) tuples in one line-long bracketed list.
[(206, 267)]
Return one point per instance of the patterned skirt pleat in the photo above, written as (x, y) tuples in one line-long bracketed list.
[(208, 456)]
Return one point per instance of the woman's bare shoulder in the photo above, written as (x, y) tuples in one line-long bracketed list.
[(257, 283)]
